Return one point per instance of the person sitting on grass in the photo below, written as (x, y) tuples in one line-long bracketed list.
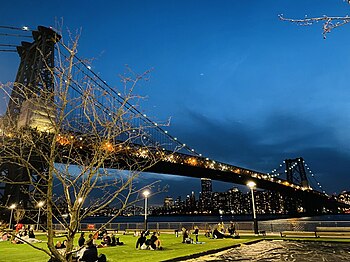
[(232, 229), (58, 245), (31, 233), (90, 253), (155, 242), (140, 241), (184, 234), (106, 240), (119, 243), (217, 234), (81, 240), (113, 241)]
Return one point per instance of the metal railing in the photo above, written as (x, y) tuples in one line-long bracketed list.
[(267, 226)]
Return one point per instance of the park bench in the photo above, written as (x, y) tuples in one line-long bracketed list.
[(342, 232), (298, 234)]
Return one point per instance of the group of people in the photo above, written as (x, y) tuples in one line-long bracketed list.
[(153, 243), (24, 235), (220, 231), (217, 232), (88, 250), (186, 235)]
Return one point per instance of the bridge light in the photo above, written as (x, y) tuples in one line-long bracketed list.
[(25, 28), (166, 132)]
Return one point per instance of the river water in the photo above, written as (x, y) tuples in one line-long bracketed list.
[(202, 218), (271, 251)]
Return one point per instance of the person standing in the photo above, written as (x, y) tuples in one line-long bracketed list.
[(196, 232)]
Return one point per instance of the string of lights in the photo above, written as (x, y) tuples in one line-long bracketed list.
[(112, 91), (281, 169), (318, 184), (277, 171)]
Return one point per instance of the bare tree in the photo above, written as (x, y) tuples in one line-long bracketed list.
[(328, 22), (67, 140)]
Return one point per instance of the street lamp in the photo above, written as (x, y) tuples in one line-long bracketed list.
[(146, 193), (252, 185), (40, 205), (12, 207)]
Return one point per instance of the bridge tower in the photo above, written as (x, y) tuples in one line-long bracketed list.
[(35, 72), (34, 79), (295, 174), (295, 171)]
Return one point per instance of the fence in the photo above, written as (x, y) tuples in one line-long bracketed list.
[(267, 226)]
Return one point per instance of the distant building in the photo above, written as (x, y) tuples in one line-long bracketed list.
[(206, 194), (168, 202), (344, 197)]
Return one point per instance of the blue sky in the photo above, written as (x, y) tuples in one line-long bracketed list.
[(240, 85)]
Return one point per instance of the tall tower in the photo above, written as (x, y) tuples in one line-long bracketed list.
[(206, 195), (34, 80), (295, 170)]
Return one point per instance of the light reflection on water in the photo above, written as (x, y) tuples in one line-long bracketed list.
[(269, 251)]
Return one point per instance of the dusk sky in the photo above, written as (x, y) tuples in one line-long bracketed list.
[(240, 86)]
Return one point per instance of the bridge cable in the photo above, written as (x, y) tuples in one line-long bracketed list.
[(132, 107), (318, 184)]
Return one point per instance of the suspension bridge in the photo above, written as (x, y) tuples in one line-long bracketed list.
[(36, 78)]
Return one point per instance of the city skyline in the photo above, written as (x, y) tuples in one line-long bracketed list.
[(250, 97)]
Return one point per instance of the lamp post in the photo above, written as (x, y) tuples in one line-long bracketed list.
[(252, 185), (146, 193), (40, 204), (12, 207)]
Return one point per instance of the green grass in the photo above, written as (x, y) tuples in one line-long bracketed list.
[(172, 248)]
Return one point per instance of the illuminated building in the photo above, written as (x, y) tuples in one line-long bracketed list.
[(206, 194)]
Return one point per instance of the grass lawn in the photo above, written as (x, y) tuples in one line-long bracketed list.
[(172, 248)]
